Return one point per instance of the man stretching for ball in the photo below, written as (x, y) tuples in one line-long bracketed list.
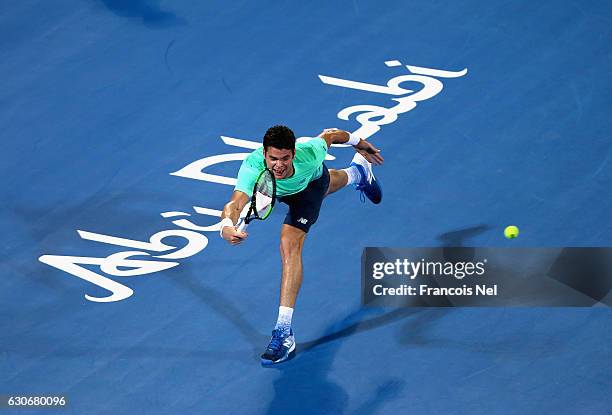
[(302, 182)]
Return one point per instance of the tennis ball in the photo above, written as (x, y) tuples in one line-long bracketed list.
[(511, 232)]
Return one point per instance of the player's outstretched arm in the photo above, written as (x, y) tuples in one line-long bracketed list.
[(363, 147), (230, 217)]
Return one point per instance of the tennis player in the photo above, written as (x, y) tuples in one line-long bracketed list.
[(302, 182)]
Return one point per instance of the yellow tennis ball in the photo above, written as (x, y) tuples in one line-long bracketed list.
[(511, 232)]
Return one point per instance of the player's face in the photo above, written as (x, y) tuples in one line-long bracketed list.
[(280, 161)]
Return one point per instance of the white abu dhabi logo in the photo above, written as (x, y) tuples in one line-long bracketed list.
[(157, 253)]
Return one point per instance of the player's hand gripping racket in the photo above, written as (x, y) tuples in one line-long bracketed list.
[(262, 200)]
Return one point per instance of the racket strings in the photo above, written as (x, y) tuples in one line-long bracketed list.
[(264, 194), (263, 203)]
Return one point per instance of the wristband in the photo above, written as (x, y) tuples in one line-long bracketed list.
[(225, 222), (353, 139)]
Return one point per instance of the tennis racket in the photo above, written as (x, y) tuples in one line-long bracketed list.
[(262, 200)]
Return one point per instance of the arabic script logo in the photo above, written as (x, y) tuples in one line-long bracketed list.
[(147, 257), (371, 117)]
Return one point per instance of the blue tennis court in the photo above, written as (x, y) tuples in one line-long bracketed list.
[(123, 125)]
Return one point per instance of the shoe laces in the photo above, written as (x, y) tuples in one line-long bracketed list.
[(361, 193), (277, 339), (363, 183)]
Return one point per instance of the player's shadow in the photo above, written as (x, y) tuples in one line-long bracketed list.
[(506, 334), (459, 236), (455, 251), (384, 393), (304, 386), (358, 326), (317, 393), (149, 11), (499, 335)]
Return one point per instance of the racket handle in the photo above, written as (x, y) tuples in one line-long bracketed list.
[(243, 226)]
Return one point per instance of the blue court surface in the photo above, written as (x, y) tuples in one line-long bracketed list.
[(123, 124)]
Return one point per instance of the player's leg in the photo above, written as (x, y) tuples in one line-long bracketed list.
[(292, 242), (337, 180), (303, 212), (282, 343)]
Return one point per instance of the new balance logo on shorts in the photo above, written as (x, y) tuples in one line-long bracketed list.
[(303, 221)]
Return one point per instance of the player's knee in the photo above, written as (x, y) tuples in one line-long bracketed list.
[(288, 245), (291, 244)]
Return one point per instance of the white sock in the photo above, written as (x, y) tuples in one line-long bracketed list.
[(354, 176), (284, 318), (367, 166)]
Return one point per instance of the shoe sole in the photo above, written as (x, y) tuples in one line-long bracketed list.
[(267, 362)]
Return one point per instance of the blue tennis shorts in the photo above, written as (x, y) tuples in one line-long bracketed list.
[(304, 206)]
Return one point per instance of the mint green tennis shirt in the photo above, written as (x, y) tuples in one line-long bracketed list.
[(307, 165)]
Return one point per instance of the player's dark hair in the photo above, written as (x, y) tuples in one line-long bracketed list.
[(280, 137)]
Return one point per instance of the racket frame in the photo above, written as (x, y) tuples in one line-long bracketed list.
[(252, 212)]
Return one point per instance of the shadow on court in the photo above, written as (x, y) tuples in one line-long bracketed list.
[(458, 237), (149, 11), (317, 393), (304, 386)]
